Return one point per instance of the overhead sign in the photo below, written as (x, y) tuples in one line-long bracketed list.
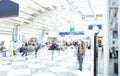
[(114, 3), (72, 33), (8, 8), (90, 27), (72, 28)]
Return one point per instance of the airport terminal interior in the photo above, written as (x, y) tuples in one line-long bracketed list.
[(59, 38)]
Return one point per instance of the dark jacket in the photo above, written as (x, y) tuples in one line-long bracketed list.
[(22, 49)]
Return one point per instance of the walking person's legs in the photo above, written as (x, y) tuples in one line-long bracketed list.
[(115, 54), (81, 62), (78, 57), (52, 54), (36, 53), (23, 53)]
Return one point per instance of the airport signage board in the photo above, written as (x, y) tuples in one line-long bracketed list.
[(72, 33), (8, 8), (90, 27)]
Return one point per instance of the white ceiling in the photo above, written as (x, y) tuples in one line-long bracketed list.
[(51, 14)]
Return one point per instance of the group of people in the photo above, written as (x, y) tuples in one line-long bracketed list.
[(13, 49), (33, 47), (80, 45), (25, 48)]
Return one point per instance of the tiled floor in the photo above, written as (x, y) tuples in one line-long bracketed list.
[(64, 64)]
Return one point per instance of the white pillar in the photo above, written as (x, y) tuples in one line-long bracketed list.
[(18, 35), (106, 38), (119, 39), (92, 55)]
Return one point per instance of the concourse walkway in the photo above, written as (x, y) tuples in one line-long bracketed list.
[(64, 64)]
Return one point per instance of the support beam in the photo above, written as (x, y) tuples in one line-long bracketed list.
[(119, 38), (106, 38)]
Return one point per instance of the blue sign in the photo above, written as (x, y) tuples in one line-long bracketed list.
[(90, 27), (8, 8), (72, 33), (99, 26)]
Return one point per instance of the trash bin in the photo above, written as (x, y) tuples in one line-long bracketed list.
[(4, 53)]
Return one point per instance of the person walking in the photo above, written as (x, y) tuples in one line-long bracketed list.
[(80, 53), (53, 48), (113, 52), (36, 50), (10, 49)]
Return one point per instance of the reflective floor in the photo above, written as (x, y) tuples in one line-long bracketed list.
[(111, 66), (63, 64)]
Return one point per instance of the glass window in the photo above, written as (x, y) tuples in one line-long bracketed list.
[(115, 34)]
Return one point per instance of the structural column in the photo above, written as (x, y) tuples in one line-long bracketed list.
[(106, 38), (92, 55), (14, 35), (119, 39), (18, 35)]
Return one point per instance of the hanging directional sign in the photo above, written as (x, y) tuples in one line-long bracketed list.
[(90, 27), (8, 8), (72, 33), (72, 28)]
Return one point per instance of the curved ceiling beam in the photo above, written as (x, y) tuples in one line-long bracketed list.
[(91, 9)]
